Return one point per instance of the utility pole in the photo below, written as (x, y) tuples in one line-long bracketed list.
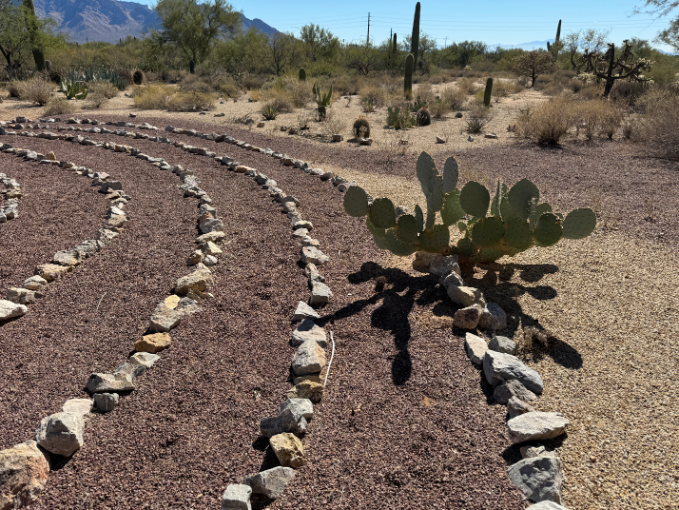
[(445, 44), (367, 39)]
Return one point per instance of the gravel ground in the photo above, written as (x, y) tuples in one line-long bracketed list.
[(404, 423)]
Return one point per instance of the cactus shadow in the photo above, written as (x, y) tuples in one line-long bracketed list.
[(400, 295)]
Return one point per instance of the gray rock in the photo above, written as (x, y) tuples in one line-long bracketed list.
[(530, 452), (499, 367), (451, 280), (309, 359), (443, 265), (169, 313), (21, 296), (467, 318), (476, 347), (309, 330), (547, 505), (106, 402), (311, 254), (536, 426), (109, 383), (137, 364), (320, 294), (212, 225), (302, 312), (34, 283), (285, 422), (502, 344), (517, 407), (311, 272), (237, 497), (10, 310), (78, 405), (539, 478), (493, 317), (272, 482), (466, 296), (61, 433), (512, 388)]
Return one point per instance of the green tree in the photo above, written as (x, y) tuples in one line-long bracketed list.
[(21, 32), (283, 52), (319, 43), (534, 63), (194, 27), (670, 35)]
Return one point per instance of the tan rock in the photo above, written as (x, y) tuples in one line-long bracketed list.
[(23, 473), (66, 258), (311, 378), (466, 296), (215, 237), (307, 389), (288, 449), (196, 282), (309, 359), (51, 156), (117, 221), (211, 248), (195, 258), (153, 343), (78, 406), (51, 272)]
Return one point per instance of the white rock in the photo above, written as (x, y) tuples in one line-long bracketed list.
[(300, 407), (9, 310), (320, 294), (61, 433), (237, 497), (78, 405), (34, 283), (539, 478), (309, 359), (304, 311), (536, 426), (272, 482), (499, 367), (311, 254), (309, 330), (476, 347)]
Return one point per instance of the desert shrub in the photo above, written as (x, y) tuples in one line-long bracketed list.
[(96, 100), (152, 97), (439, 108), (59, 106), (282, 104), (298, 92), (346, 85), (361, 128), (14, 88), (251, 81), (425, 93), (479, 116), (103, 88), (372, 98), (226, 86), (596, 118), (194, 83), (399, 117), (591, 91), (576, 85), (658, 128), (468, 85), (270, 111), (548, 122), (552, 89), (455, 97), (627, 92), (36, 90), (504, 88), (191, 101)]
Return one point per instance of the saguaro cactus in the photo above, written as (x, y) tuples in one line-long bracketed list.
[(555, 48), (394, 46), (517, 220), (32, 28), (488, 92), (408, 79), (415, 39), (302, 75)]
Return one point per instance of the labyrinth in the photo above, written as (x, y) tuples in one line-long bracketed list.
[(193, 321)]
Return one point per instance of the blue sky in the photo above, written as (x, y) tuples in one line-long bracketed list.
[(490, 21)]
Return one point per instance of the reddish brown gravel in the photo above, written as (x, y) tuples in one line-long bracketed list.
[(404, 423)]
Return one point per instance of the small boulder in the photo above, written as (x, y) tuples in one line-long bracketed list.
[(465, 296), (106, 402), (197, 282), (502, 344), (499, 367), (81, 406), (443, 265), (320, 294), (504, 392), (517, 407), (153, 343), (272, 482), (10, 310), (530, 452), (51, 272), (285, 422), (539, 478), (300, 408), (536, 426), (288, 449), (308, 330), (309, 359), (467, 318), (21, 296), (311, 254), (493, 317), (308, 388), (61, 433), (34, 283), (24, 470), (237, 497), (476, 347), (304, 311), (109, 383)]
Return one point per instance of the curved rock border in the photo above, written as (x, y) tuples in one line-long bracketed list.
[(540, 474)]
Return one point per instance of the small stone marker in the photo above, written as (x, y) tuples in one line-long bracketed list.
[(308, 330), (304, 311), (539, 478), (499, 367), (61, 433), (289, 450), (476, 347), (536, 426), (106, 402), (272, 482), (237, 497), (153, 343)]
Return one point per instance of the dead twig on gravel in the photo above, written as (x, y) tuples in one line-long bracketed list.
[(98, 304), (327, 372)]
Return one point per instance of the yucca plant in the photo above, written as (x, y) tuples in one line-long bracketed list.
[(270, 112), (323, 101)]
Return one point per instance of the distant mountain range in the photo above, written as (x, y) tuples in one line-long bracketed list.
[(111, 20), (527, 46)]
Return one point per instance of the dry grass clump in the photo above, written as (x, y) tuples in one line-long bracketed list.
[(194, 83), (425, 93), (658, 128), (102, 88), (59, 106), (597, 118), (504, 88), (439, 107), (455, 97), (165, 97), (372, 98), (479, 116), (468, 85), (548, 122), (35, 90)]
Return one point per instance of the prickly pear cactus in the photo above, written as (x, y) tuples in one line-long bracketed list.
[(517, 220)]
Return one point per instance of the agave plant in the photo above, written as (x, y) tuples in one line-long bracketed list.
[(517, 219), (270, 112), (322, 100), (73, 89)]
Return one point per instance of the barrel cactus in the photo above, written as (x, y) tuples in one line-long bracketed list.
[(517, 220)]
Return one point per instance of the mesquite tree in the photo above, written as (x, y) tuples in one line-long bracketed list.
[(610, 69)]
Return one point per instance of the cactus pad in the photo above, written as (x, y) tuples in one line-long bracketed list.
[(518, 235), (487, 255), (450, 175), (420, 218), (488, 231), (521, 196), (579, 224), (406, 229), (475, 199), (436, 239), (451, 211), (465, 247), (379, 234), (382, 213), (547, 230), (462, 226), (426, 173), (397, 246), (356, 202)]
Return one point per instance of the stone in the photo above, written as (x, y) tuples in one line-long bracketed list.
[(311, 254), (539, 478), (493, 317), (195, 258), (211, 226), (499, 367), (304, 311), (66, 258), (492, 136), (214, 236), (502, 344), (20, 296), (51, 272), (211, 248), (300, 408), (210, 260), (451, 279), (309, 359), (311, 272), (476, 347), (10, 310), (443, 265), (309, 330), (547, 505), (467, 318), (106, 402), (470, 138), (34, 283), (512, 388), (317, 378), (517, 407), (170, 312), (288, 449), (440, 140), (136, 365), (536, 426), (81, 406), (153, 343), (109, 383), (237, 497), (465, 296), (24, 470), (285, 422), (530, 452), (272, 482), (197, 282), (308, 388), (61, 433), (320, 294)]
